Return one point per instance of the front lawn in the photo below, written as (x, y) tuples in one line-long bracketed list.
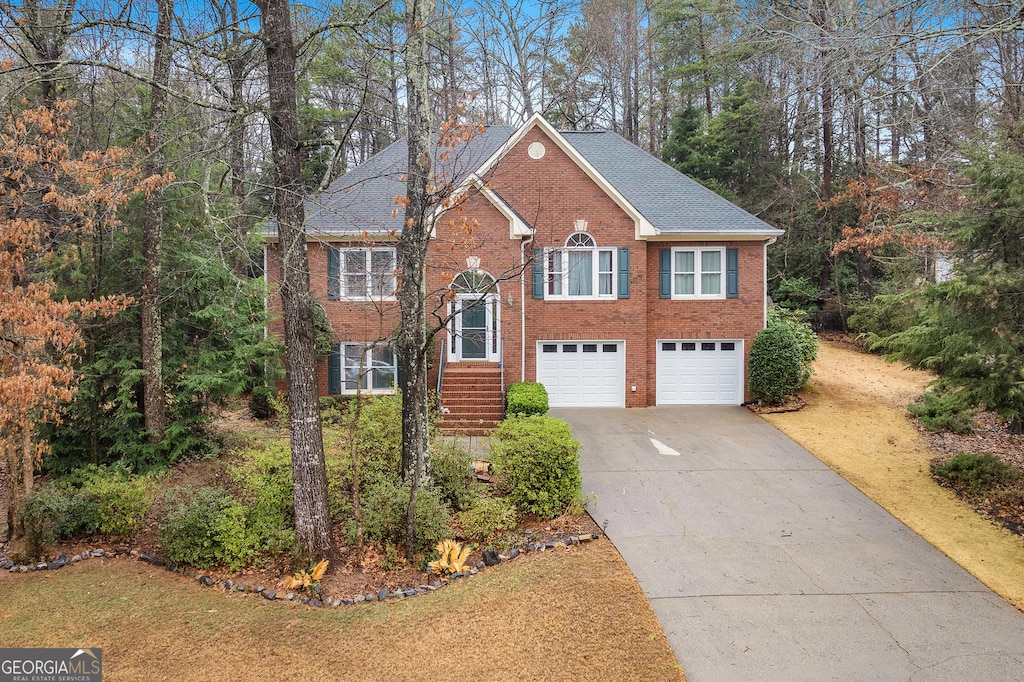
[(571, 614)]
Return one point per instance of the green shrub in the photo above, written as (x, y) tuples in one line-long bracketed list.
[(883, 316), (52, 514), (384, 515), (260, 402), (187, 531), (264, 476), (806, 339), (486, 518), (776, 366), (452, 473), (378, 438), (119, 503), (539, 460), (526, 398), (798, 293), (944, 410), (244, 535), (210, 528), (980, 473)]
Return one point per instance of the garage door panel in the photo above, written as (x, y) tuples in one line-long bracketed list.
[(582, 373), (706, 372)]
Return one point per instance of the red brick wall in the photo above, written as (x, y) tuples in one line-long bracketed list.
[(551, 194), (730, 318)]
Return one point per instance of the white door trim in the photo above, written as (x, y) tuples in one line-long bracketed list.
[(710, 393), (493, 327), (596, 387)]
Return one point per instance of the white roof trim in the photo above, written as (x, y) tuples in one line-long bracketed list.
[(644, 228), (718, 235), (517, 227)]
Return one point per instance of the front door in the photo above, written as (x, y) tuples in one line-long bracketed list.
[(475, 329)]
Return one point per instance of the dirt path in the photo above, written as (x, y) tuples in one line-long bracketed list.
[(856, 423)]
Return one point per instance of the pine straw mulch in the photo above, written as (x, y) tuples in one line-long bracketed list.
[(1004, 504)]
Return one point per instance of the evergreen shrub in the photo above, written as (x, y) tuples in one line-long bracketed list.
[(526, 398), (539, 460)]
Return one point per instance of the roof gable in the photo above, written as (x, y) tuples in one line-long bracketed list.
[(662, 202)]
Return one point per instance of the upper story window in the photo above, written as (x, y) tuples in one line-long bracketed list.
[(580, 269), (361, 273), (698, 272)]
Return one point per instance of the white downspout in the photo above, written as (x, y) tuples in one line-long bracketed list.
[(522, 307)]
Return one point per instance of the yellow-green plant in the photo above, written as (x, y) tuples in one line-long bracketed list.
[(307, 580), (452, 559)]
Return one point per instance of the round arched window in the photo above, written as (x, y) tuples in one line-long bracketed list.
[(580, 240), (474, 282)]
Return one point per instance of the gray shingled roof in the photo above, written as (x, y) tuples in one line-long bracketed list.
[(671, 201), (362, 200)]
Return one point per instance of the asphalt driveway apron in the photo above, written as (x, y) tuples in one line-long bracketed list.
[(763, 564)]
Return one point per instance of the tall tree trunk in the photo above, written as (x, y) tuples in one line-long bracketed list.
[(309, 479), (827, 145), (412, 251), (154, 411), (236, 145)]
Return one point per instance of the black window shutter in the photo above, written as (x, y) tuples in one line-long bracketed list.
[(665, 273), (333, 273), (538, 273), (732, 273), (624, 273), (398, 370), (334, 369)]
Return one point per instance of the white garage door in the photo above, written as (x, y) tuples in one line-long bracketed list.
[(700, 372), (583, 373)]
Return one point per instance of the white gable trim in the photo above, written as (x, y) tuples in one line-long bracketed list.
[(644, 228), (517, 227)]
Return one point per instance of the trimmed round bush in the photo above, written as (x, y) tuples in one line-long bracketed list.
[(539, 461), (776, 366), (526, 398)]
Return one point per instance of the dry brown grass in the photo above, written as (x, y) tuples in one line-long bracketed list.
[(856, 423), (574, 614)]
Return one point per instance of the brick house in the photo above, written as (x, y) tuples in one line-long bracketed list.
[(571, 258)]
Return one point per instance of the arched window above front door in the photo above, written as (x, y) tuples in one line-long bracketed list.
[(474, 282)]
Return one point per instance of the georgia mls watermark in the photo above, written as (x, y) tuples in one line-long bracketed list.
[(51, 665)]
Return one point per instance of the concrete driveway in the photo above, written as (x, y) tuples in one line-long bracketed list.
[(763, 564)]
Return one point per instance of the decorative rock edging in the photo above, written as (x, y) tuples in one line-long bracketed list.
[(490, 558)]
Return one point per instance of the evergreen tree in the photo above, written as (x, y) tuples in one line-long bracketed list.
[(971, 329)]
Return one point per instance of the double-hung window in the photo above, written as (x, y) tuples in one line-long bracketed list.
[(371, 368), (580, 269), (698, 272), (361, 273)]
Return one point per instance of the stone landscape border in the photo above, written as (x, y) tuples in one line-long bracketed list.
[(490, 558)]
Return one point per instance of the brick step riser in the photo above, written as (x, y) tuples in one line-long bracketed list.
[(470, 401)]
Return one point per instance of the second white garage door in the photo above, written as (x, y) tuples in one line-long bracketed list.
[(583, 373), (700, 372)]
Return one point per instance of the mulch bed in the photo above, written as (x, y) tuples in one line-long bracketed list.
[(791, 403), (1003, 505)]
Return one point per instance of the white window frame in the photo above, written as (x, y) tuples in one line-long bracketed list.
[(556, 270), (370, 368), (390, 283), (697, 273)]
